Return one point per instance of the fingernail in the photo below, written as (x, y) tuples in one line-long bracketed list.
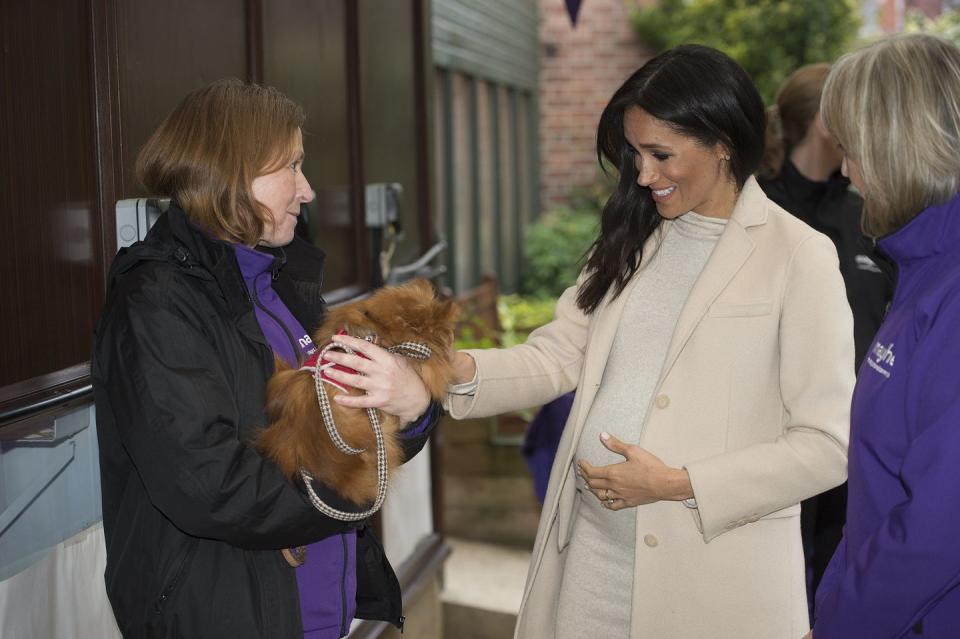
[(604, 436)]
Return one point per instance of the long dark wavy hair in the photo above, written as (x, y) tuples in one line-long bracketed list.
[(700, 92)]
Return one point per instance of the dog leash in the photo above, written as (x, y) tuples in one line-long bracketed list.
[(413, 350)]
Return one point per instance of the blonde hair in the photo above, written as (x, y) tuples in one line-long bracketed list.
[(207, 152), (789, 119), (894, 107)]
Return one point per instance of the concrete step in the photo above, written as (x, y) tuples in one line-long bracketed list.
[(467, 622), (482, 589)]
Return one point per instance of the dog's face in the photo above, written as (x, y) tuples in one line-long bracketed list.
[(407, 313)]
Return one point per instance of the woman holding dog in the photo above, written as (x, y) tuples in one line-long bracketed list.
[(896, 573), (711, 346), (195, 518)]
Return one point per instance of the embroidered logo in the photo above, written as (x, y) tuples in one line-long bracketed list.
[(881, 359)]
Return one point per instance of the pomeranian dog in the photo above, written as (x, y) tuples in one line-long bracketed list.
[(297, 437)]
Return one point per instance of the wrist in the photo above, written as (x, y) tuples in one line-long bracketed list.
[(676, 485), (407, 421), (416, 412), (464, 368)]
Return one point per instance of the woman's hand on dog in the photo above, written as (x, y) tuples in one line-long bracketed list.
[(388, 380)]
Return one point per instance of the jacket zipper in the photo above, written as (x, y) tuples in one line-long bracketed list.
[(286, 331), (165, 594), (343, 587)]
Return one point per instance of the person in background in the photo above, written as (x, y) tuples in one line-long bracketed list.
[(711, 346), (894, 108), (801, 172), (196, 520), (542, 439)]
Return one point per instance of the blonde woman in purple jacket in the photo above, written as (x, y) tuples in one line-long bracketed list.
[(894, 107)]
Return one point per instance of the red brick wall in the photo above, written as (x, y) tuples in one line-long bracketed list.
[(580, 68)]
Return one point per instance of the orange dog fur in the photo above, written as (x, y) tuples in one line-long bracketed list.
[(296, 437)]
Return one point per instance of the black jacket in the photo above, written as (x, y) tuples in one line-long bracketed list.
[(832, 208), (193, 516)]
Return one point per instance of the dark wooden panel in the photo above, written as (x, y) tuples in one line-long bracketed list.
[(306, 57), (389, 107), (51, 265), (423, 67), (165, 50)]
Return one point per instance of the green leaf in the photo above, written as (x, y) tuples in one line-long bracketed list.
[(769, 38)]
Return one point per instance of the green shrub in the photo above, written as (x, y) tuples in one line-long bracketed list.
[(946, 25), (553, 250), (520, 315), (471, 333), (770, 38)]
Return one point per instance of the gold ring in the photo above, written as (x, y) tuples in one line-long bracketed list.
[(610, 503), (606, 493)]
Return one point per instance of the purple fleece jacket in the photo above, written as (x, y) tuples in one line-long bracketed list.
[(896, 572), (327, 581)]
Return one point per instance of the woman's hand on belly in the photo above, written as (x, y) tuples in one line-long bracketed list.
[(642, 478)]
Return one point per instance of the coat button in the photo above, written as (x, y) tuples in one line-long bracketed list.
[(650, 540), (662, 400)]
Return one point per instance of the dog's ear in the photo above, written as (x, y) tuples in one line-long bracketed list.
[(421, 286), (449, 310)]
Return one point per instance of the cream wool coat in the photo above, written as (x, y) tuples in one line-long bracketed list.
[(753, 400)]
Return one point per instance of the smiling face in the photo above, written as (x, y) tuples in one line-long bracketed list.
[(681, 174), (282, 192)]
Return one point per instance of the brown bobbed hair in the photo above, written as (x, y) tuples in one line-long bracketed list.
[(794, 109), (207, 152), (894, 107)]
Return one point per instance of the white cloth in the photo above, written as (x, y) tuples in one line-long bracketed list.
[(63, 595)]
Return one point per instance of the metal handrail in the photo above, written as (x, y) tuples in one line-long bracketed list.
[(419, 266), (20, 412)]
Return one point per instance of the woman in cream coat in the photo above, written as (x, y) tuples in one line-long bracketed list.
[(711, 346)]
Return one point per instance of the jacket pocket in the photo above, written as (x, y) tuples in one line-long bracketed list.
[(179, 572), (752, 308)]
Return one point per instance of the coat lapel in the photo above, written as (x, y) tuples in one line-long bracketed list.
[(732, 250)]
